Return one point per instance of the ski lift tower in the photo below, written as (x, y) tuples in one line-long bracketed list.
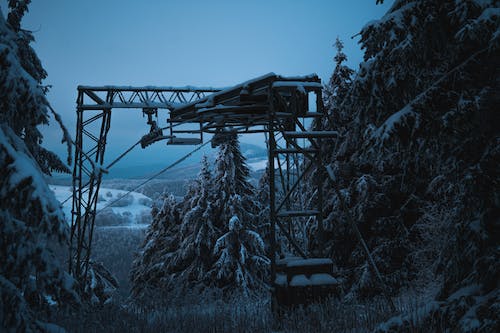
[(280, 107), (95, 105)]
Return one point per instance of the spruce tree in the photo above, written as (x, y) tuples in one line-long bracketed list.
[(18, 59), (233, 193), (337, 89), (198, 231), (234, 198), (176, 253), (32, 225), (162, 238), (181, 258), (241, 262)]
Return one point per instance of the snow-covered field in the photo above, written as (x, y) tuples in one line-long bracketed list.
[(257, 164), (131, 211)]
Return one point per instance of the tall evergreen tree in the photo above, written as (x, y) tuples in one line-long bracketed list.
[(416, 162), (231, 184), (177, 250), (198, 230), (32, 224), (241, 262), (14, 97), (338, 119), (181, 257), (337, 88), (161, 239)]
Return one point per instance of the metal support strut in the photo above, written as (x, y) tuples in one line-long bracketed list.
[(94, 108)]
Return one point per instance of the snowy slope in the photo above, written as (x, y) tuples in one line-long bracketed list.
[(130, 211), (257, 164)]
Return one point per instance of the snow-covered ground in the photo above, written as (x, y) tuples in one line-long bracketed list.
[(260, 163), (132, 211), (257, 164)]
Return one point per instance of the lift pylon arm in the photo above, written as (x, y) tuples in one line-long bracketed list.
[(124, 97)]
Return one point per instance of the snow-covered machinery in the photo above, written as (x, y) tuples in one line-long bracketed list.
[(155, 133), (283, 108), (303, 281)]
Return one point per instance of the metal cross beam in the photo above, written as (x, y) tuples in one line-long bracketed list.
[(125, 97)]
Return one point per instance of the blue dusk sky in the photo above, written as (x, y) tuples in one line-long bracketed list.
[(176, 43)]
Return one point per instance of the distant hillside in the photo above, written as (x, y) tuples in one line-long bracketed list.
[(144, 168), (127, 177)]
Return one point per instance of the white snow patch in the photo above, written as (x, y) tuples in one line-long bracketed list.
[(322, 279), (385, 131), (286, 260), (465, 291), (395, 323), (280, 279), (258, 165), (396, 17), (301, 86), (310, 262), (137, 204), (489, 14), (362, 185), (300, 281), (50, 300), (50, 328)]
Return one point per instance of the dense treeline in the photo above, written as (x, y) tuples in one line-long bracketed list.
[(417, 159)]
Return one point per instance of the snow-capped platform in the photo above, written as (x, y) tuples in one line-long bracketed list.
[(247, 107), (314, 280), (304, 281)]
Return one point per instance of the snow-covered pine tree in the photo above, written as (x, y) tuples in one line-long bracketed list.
[(234, 199), (13, 97), (164, 212), (32, 225), (418, 163), (263, 226), (337, 89), (233, 193), (198, 231), (176, 253), (241, 264), (162, 238), (337, 119), (176, 259)]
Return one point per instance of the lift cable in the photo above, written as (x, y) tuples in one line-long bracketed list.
[(135, 144), (108, 167), (122, 155), (155, 175), (116, 160), (131, 148)]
